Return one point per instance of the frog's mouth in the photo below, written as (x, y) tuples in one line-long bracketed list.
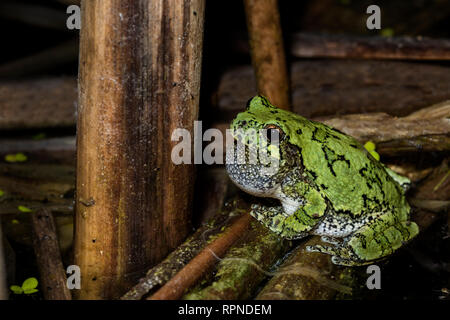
[(253, 177), (252, 184), (253, 190)]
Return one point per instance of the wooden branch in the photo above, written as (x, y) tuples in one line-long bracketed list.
[(38, 103), (307, 45), (307, 276), (133, 204), (203, 262), (427, 130), (48, 255), (267, 50), (338, 87), (244, 267)]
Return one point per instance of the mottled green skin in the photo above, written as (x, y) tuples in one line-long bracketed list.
[(328, 185)]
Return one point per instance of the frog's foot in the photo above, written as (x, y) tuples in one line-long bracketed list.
[(334, 250), (272, 217), (340, 253)]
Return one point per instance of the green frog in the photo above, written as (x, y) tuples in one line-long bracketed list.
[(325, 183)]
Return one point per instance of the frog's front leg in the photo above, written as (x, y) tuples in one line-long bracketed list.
[(371, 242), (276, 219), (302, 208)]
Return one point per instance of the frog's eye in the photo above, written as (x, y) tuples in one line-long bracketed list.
[(273, 134)]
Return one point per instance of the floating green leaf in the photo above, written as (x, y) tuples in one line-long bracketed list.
[(15, 221), (16, 289), (10, 158), (387, 32), (2, 193), (24, 209), (29, 285), (18, 157)]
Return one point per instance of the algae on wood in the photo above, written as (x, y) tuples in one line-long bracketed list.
[(244, 267), (307, 276)]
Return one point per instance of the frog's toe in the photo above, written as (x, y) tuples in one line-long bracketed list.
[(321, 249), (257, 211), (348, 262), (342, 261), (331, 240)]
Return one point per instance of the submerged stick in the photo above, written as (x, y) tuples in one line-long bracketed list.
[(48, 256), (244, 267), (307, 276), (202, 263)]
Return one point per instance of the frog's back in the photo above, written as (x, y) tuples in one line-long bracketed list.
[(353, 181)]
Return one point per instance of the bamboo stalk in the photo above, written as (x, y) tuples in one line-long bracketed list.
[(139, 76), (267, 50)]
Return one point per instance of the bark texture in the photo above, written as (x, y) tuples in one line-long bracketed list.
[(139, 77)]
